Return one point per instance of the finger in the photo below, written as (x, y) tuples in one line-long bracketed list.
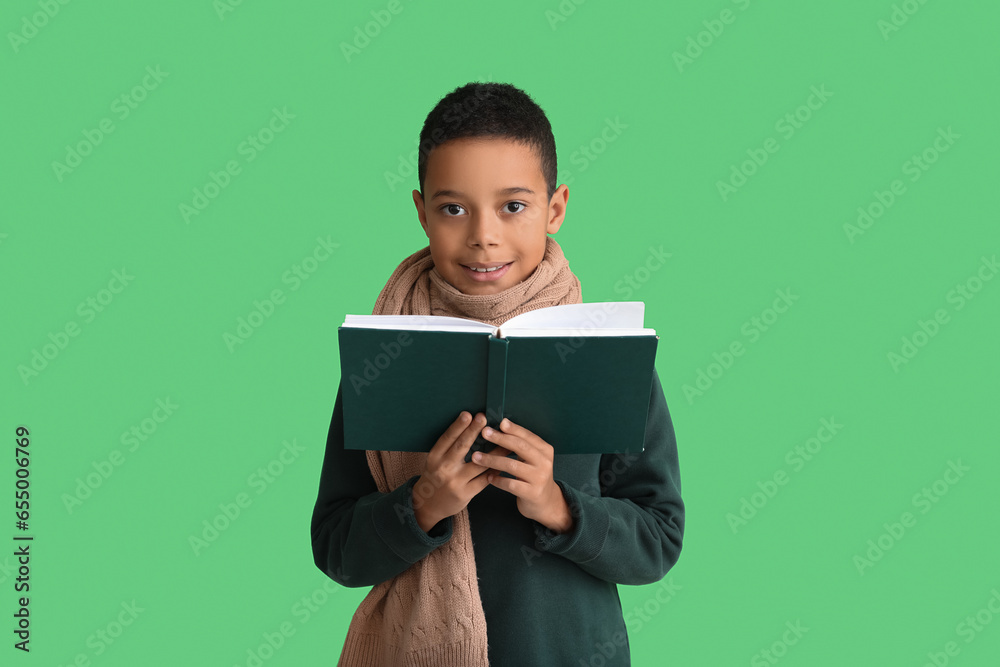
[(513, 443), (512, 486), (473, 469), (499, 450), (454, 430), (480, 482), (507, 426), (465, 439), (517, 468)]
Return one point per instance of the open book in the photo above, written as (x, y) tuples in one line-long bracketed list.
[(578, 376)]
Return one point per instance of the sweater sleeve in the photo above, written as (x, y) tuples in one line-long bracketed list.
[(360, 536), (630, 529)]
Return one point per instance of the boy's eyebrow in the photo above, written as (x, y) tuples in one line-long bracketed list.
[(505, 191)]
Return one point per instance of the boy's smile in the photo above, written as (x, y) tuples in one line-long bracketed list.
[(486, 271), (487, 212)]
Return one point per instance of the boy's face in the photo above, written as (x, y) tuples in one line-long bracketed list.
[(487, 207)]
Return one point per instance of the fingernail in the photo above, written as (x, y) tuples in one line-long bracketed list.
[(505, 423), (477, 456), (487, 431)]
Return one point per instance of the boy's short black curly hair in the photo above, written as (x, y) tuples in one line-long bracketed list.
[(496, 110)]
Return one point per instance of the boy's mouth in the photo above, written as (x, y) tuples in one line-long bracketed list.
[(486, 271)]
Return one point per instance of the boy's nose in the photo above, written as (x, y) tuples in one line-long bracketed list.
[(484, 230)]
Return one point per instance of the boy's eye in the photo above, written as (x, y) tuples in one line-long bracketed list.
[(456, 209)]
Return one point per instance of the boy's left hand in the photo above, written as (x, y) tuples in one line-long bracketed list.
[(538, 496)]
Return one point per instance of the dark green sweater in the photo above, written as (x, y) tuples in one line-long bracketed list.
[(549, 599)]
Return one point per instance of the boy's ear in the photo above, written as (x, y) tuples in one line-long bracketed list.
[(557, 209), (418, 201)]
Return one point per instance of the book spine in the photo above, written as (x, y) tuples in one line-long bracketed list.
[(496, 390), (496, 381)]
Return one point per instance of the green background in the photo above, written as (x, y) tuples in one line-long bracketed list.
[(682, 126)]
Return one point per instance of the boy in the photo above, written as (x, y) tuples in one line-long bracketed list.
[(511, 558)]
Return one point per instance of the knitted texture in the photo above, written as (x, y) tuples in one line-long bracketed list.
[(431, 615)]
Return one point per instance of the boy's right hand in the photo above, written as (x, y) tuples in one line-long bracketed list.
[(448, 483)]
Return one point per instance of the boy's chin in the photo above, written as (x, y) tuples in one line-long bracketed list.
[(480, 289)]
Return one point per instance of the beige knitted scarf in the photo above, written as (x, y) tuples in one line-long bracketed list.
[(430, 615)]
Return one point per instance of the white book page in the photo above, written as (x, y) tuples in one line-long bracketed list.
[(583, 318), (417, 323), (551, 333)]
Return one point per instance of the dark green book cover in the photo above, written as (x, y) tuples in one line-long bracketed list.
[(583, 387)]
